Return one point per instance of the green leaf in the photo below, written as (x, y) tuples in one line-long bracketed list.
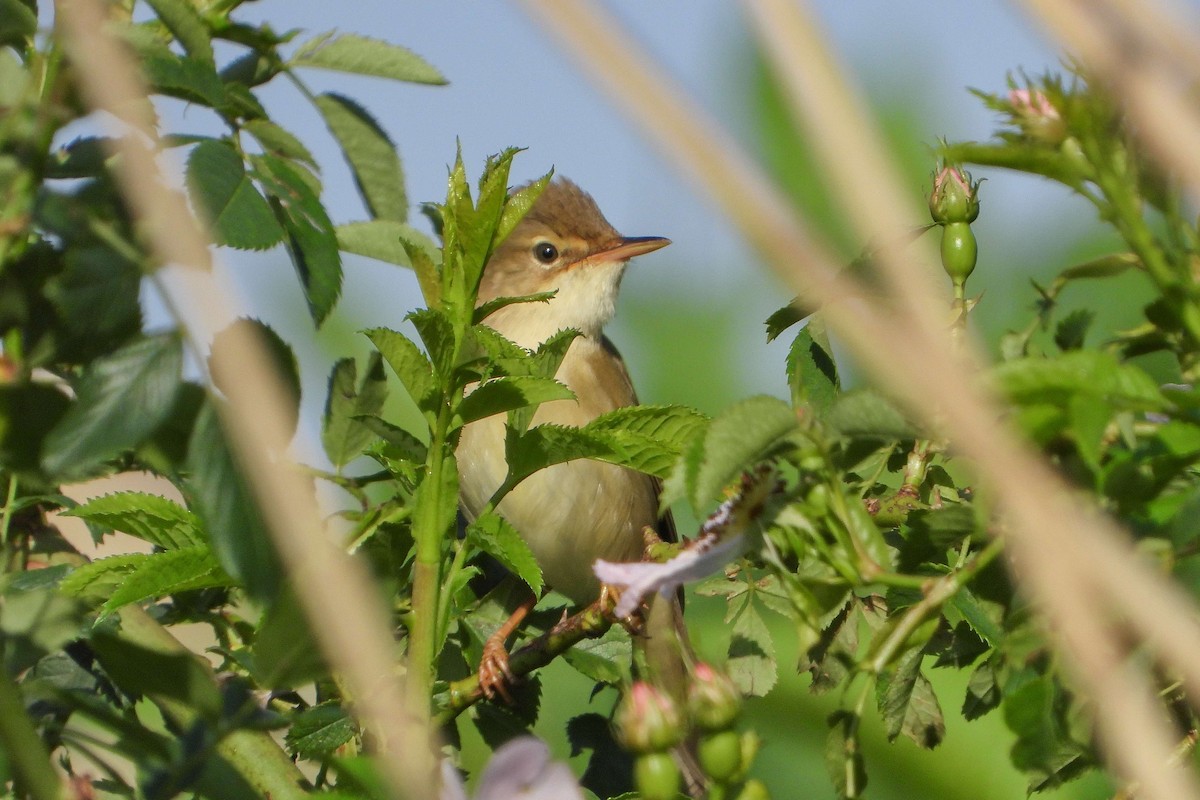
[(1034, 711), (150, 517), (843, 755), (1071, 331), (812, 372), (546, 445), (122, 398), (603, 660), (649, 439), (506, 394), (384, 240), (983, 691), (866, 414), (278, 140), (343, 433), (279, 353), (17, 22), (230, 512), (169, 572), (495, 536), (736, 440), (437, 334), (96, 581), (783, 319), (186, 25), (410, 447), (1094, 372), (485, 310), (284, 655), (191, 79), (316, 732), (518, 205), (371, 155), (409, 364), (96, 300), (751, 663), (908, 704), (309, 236), (238, 215), (365, 56), (140, 671)]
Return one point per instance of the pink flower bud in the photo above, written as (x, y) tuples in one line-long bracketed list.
[(954, 197), (648, 720), (1036, 116), (713, 699)]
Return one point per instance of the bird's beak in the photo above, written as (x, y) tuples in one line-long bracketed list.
[(629, 247)]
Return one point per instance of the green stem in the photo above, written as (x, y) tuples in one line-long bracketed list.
[(7, 513), (25, 750)]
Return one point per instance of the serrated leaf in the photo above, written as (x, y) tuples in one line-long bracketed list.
[(1056, 380), (237, 214), (121, 399), (95, 582), (1072, 330), (278, 140), (908, 704), (343, 433), (983, 691), (96, 299), (736, 439), (604, 660), (518, 205), (437, 334), (383, 239), (751, 663), (318, 731), (649, 439), (365, 56), (155, 519), (507, 394), (190, 79), (370, 153), (410, 447), (485, 310), (187, 26), (867, 414), (812, 372), (546, 445), (409, 364), (783, 319), (495, 536), (843, 755), (169, 572), (222, 499), (308, 232)]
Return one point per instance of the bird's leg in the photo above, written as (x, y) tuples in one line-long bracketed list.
[(494, 675)]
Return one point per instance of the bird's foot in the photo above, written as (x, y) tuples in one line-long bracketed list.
[(635, 623), (494, 675)]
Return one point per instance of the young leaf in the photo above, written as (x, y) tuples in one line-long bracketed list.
[(518, 205), (186, 25), (751, 662), (812, 372), (121, 399), (649, 439), (783, 319), (409, 364), (161, 574), (496, 537), (309, 235), (343, 434), (238, 215), (371, 155), (506, 394), (280, 141), (364, 56), (155, 519), (316, 732), (230, 513), (382, 239), (908, 704), (735, 440), (485, 310), (866, 414), (437, 334)]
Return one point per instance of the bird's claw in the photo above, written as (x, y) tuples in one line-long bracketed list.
[(495, 677), (635, 623)]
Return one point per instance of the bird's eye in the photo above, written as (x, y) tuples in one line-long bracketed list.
[(545, 252)]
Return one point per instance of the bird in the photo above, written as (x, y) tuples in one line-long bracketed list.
[(570, 514)]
